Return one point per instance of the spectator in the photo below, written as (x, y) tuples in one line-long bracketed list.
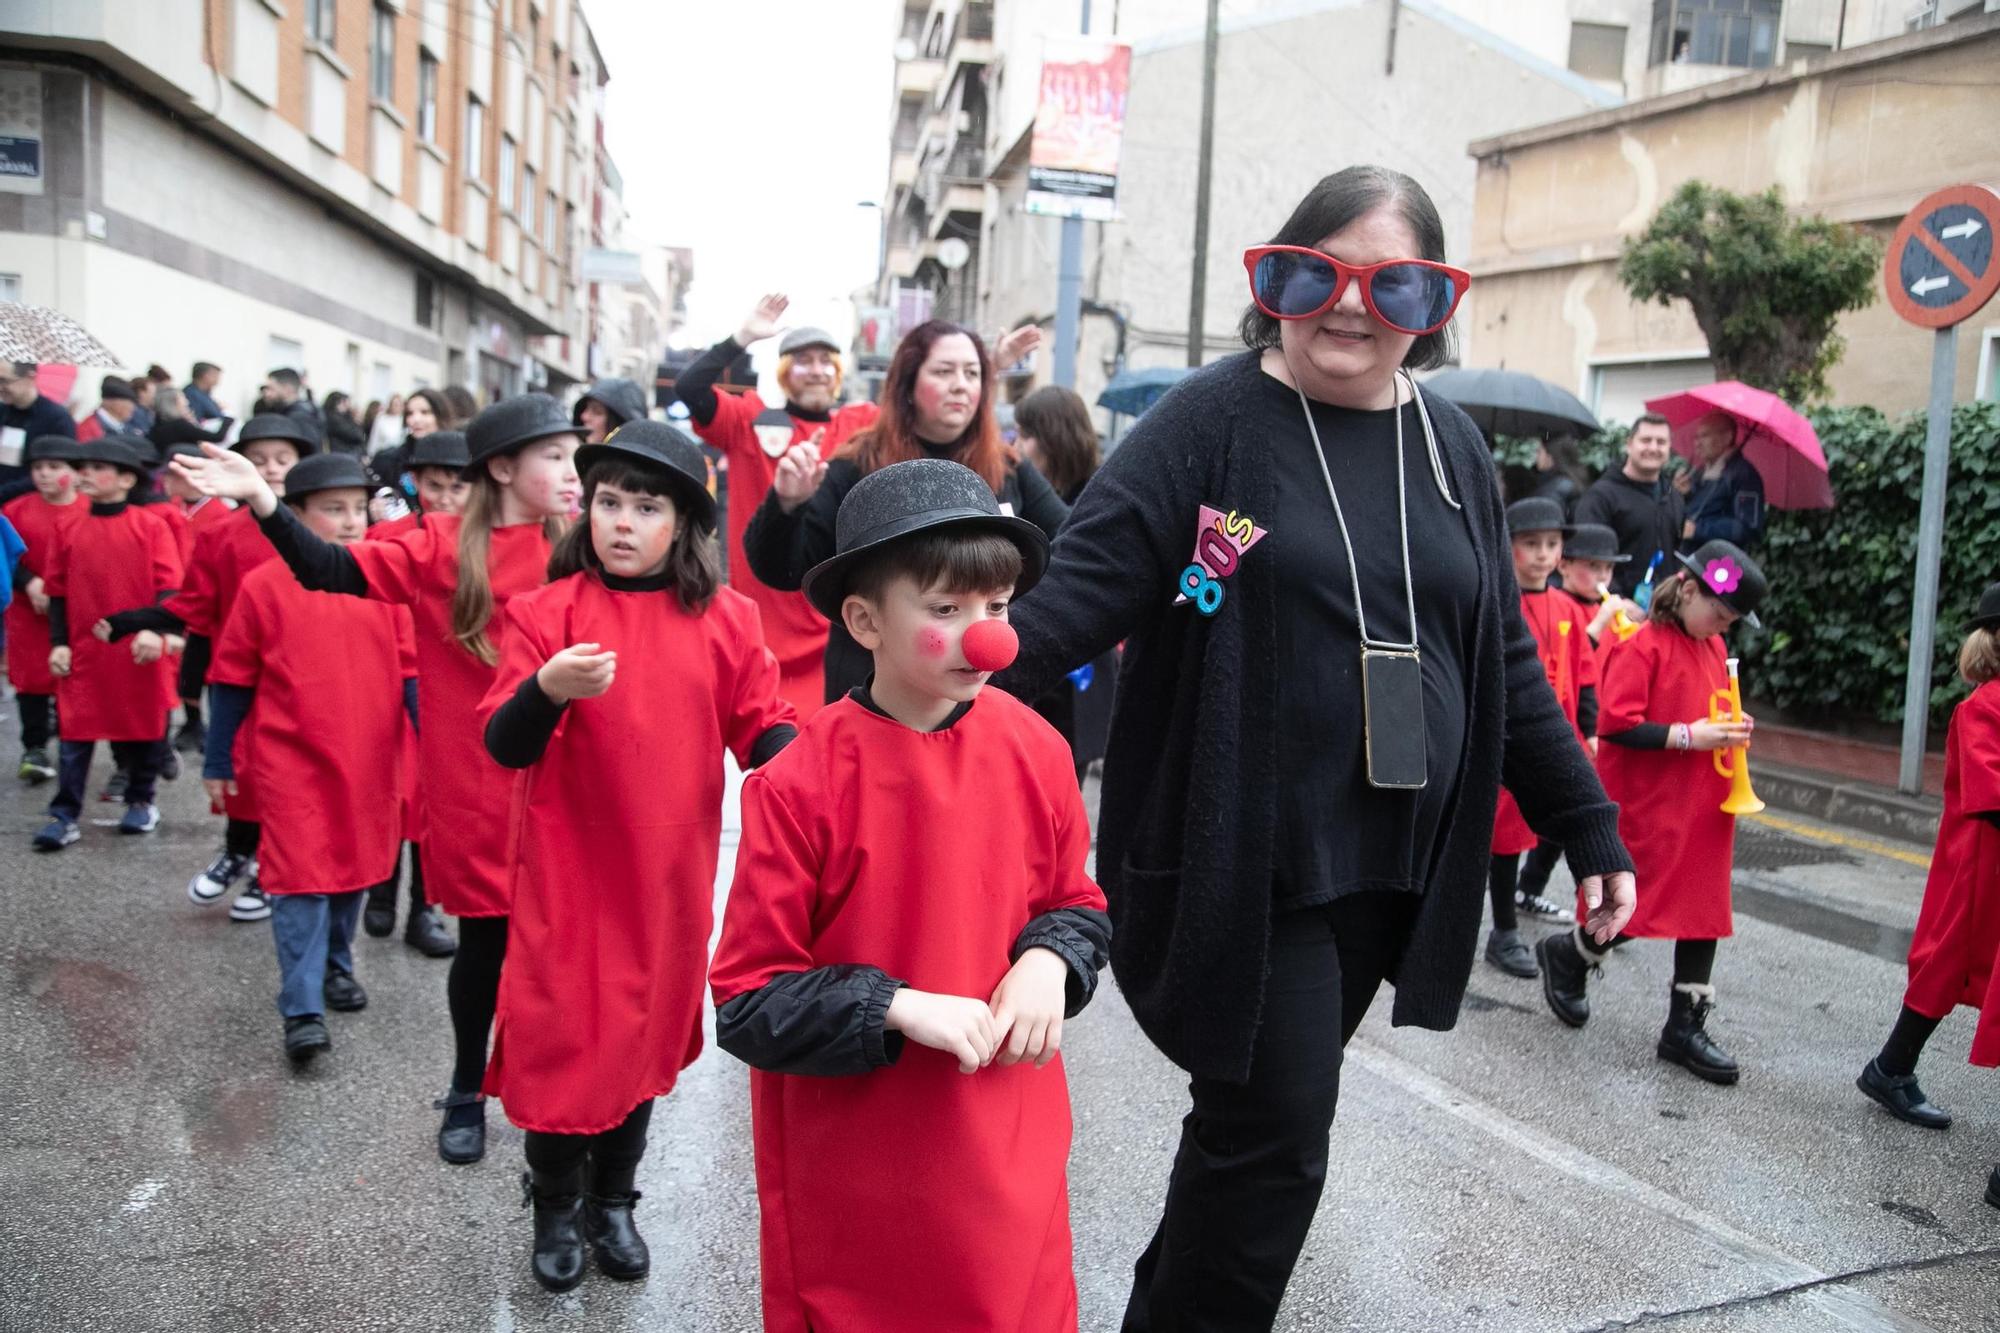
[(343, 433), (25, 415), (200, 391), (1726, 499), (1636, 503), (1560, 474), (172, 425), (115, 410), (285, 393), (386, 430), (464, 407), (142, 404)]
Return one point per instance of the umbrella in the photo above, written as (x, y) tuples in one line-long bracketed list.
[(1779, 443), (37, 333), (1507, 402), (1133, 391)]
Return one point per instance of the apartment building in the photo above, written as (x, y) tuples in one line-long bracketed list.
[(384, 193)]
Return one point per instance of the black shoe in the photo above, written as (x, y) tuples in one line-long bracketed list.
[(379, 919), (621, 1250), (461, 1145), (1685, 1041), (343, 993), (1565, 971), (305, 1037), (1505, 951), (114, 790), (35, 767), (425, 933), (191, 738), (170, 765), (1993, 1188), (1900, 1096), (558, 1261)]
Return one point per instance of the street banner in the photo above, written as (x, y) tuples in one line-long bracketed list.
[(1079, 128)]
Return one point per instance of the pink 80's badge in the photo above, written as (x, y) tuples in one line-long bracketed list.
[(1220, 542)]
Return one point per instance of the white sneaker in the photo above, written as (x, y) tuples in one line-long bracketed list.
[(1543, 909), (207, 888), (253, 904)]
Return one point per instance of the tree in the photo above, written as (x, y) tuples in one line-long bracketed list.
[(1766, 288)]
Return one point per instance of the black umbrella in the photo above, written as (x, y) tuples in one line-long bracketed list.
[(1507, 402)]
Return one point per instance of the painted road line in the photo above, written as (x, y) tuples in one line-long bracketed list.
[(1853, 841)]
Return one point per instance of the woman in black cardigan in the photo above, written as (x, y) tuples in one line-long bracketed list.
[(937, 402), (1262, 887)]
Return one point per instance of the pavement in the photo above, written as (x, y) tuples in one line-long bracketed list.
[(161, 1167)]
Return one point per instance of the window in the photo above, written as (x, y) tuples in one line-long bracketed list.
[(1736, 33), (475, 137), (528, 197), (549, 232), (382, 55), (427, 97), (1597, 51), (10, 287), (426, 301), (319, 21), (507, 171)]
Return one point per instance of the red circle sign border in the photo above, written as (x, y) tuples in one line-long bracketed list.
[(1981, 200)]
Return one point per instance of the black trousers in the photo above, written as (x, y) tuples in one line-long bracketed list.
[(38, 720), (613, 1155), (1252, 1160)]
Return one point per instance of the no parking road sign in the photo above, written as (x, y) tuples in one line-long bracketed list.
[(1941, 264)]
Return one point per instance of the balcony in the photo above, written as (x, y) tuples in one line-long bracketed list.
[(959, 199), (919, 78), (902, 169), (971, 41)]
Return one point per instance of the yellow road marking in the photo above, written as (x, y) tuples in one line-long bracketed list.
[(1873, 846)]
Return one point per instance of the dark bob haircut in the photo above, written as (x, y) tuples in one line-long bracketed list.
[(1329, 207)]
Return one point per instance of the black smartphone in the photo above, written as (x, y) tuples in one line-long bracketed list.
[(1392, 690)]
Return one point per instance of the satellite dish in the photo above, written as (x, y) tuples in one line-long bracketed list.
[(953, 253), (906, 49)]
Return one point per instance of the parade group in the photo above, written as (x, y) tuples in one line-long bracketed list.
[(515, 642)]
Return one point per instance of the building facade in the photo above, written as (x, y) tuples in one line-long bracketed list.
[(381, 193)]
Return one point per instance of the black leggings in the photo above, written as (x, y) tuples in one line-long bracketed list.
[(1501, 875), (38, 719), (472, 990), (614, 1155), (241, 836), (1694, 960)]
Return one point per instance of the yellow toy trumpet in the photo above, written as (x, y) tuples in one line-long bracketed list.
[(1741, 800), (1623, 625)]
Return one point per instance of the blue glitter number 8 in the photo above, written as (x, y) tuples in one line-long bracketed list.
[(1199, 588)]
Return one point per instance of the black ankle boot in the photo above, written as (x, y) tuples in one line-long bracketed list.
[(462, 1136), (378, 914), (424, 931), (1566, 968), (608, 1223), (1685, 1041), (558, 1259)]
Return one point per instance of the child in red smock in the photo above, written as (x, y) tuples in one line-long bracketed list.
[(1537, 529), (909, 925), (619, 827), (1955, 956), (1658, 763), (116, 556), (318, 686), (39, 516), (455, 574)]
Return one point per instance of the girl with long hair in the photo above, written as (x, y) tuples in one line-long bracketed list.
[(937, 402), (1560, 473)]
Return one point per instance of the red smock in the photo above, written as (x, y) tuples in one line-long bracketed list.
[(1955, 956), (1563, 640), (412, 809), (1670, 801), (923, 854), (323, 738), (619, 829), (226, 549), (41, 526), (795, 632), (466, 794), (108, 563)]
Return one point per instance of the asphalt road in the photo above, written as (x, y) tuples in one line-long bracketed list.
[(161, 1167)]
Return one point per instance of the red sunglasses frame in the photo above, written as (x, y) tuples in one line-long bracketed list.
[(1345, 273)]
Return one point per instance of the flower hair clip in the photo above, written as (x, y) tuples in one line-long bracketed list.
[(1723, 576)]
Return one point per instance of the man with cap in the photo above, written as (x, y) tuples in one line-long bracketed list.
[(605, 406), (25, 415), (115, 413)]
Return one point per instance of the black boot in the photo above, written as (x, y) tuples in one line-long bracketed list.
[(607, 1222), (1685, 1041), (462, 1136), (1566, 968), (558, 1260), (378, 915), (1901, 1097), (1993, 1188), (425, 931)]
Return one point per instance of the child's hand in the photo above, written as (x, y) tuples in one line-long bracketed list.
[(59, 661), (217, 789), (1707, 735), (799, 474), (1028, 1008), (176, 645), (579, 671), (147, 647), (101, 631), (228, 474), (953, 1024), (38, 596)]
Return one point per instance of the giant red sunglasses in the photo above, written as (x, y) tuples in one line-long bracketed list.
[(1409, 295)]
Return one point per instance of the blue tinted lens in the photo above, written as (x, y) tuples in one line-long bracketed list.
[(1411, 297), (1294, 285)]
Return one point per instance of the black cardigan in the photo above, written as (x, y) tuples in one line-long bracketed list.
[(1189, 806), (783, 547)]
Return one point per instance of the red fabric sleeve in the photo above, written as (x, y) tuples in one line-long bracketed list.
[(1979, 776), (1586, 652), (166, 554), (754, 705), (239, 653), (767, 928), (729, 429), (1071, 886), (521, 655), (196, 603), (406, 643), (55, 569), (1626, 690), (397, 567)]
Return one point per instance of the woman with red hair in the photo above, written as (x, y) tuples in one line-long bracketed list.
[(937, 402)]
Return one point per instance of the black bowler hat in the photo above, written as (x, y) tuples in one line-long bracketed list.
[(277, 426), (902, 499), (440, 448), (514, 423), (116, 387), (1535, 514), (62, 448), (325, 472), (1592, 541), (1988, 614), (173, 451), (660, 448), (116, 450), (1733, 577), (622, 398)]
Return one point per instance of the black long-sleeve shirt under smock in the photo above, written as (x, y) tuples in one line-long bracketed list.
[(782, 547)]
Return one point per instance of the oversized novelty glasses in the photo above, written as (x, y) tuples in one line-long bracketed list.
[(1408, 295)]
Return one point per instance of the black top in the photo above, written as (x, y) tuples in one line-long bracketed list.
[(1646, 516), (1562, 488), (44, 416), (782, 547), (1189, 814), (1323, 789), (696, 385)]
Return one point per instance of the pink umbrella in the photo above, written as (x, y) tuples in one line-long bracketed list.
[(1779, 443)]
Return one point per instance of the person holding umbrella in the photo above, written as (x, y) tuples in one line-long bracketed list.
[(1725, 498), (1752, 451)]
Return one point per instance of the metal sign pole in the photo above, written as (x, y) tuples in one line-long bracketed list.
[(1930, 549), (1069, 285)]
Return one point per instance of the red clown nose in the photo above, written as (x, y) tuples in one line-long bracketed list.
[(991, 645)]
